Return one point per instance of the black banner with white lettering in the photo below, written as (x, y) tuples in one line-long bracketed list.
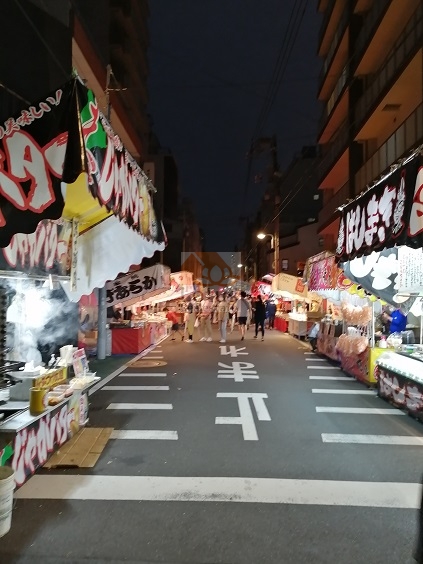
[(39, 149), (115, 178), (389, 214), (46, 251)]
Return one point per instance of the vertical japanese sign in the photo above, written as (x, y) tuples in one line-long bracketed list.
[(39, 148), (388, 215), (115, 179)]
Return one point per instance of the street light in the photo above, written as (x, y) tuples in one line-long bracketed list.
[(262, 236), (239, 265)]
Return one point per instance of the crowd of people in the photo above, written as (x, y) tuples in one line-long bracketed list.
[(224, 310)]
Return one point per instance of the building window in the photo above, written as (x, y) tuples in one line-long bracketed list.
[(285, 265)]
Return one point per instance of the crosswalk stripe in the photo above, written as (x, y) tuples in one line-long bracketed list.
[(359, 410), (397, 495), (147, 374), (145, 435), (372, 439), (140, 406), (309, 353), (136, 388), (332, 378), (348, 392), (316, 360), (323, 368)]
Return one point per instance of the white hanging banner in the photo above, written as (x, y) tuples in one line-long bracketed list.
[(410, 270), (135, 286)]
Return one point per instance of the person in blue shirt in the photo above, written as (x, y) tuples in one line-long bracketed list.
[(398, 321)]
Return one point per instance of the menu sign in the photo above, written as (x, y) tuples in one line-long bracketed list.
[(385, 216)]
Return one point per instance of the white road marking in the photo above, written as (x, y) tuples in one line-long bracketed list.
[(315, 360), (147, 374), (118, 371), (140, 406), (310, 353), (372, 439), (360, 410), (332, 378), (136, 388), (323, 368), (246, 418), (148, 357), (391, 495), (145, 435), (348, 392)]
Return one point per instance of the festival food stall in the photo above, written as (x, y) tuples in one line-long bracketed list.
[(83, 210), (304, 309), (133, 333), (399, 371), (41, 411), (377, 234)]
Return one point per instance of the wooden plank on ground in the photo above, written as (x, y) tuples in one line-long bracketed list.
[(83, 450)]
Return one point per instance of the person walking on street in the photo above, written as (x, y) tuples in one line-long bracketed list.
[(190, 321), (271, 313), (222, 316), (171, 316), (259, 316), (206, 311), (312, 335), (243, 311)]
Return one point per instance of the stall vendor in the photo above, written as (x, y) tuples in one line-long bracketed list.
[(398, 321)]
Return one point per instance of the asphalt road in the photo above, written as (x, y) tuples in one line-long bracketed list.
[(238, 470)]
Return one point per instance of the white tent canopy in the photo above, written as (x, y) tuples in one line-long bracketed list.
[(106, 250)]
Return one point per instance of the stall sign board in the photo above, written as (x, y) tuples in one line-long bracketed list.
[(80, 363), (50, 379), (400, 390), (410, 270), (46, 251), (385, 216), (137, 284), (40, 148), (115, 179), (35, 444)]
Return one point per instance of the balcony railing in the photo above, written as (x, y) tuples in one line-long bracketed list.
[(406, 137), (379, 7), (339, 34), (333, 150), (338, 199), (410, 39), (330, 104)]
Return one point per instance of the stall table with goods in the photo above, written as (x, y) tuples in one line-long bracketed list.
[(40, 409), (399, 375), (133, 337)]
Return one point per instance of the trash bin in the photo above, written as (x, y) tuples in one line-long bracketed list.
[(7, 486)]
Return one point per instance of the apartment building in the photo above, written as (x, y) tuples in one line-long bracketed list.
[(112, 35), (371, 87)]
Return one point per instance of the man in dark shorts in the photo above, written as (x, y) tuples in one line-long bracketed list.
[(243, 308), (171, 316)]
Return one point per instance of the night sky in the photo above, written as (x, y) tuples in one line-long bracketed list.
[(211, 62)]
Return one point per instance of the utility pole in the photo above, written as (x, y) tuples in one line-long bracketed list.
[(276, 196)]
